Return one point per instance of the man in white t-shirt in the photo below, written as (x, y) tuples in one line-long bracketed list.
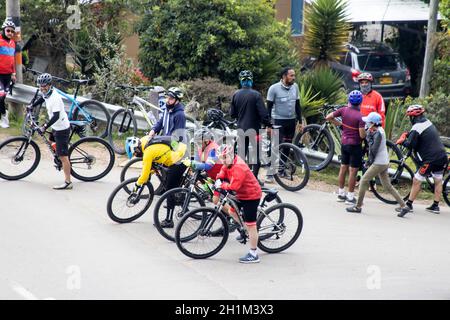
[(59, 123)]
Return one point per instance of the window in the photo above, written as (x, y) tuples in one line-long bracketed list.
[(378, 62)]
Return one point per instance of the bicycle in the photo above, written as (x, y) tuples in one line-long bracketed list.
[(22, 154), (124, 123), (279, 226), (195, 191), (90, 115), (319, 144)]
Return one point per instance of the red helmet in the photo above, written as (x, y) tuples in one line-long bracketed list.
[(415, 110), (365, 76), (225, 150)]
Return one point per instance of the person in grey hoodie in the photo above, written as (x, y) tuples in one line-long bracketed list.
[(378, 163)]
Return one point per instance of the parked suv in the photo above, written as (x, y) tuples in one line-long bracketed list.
[(391, 77)]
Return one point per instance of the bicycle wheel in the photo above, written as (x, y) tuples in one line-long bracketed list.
[(123, 207), (279, 227), (122, 125), (292, 170), (446, 190), (133, 168), (183, 200), (317, 145), (18, 158), (96, 115), (193, 236), (401, 179), (394, 151), (91, 158)]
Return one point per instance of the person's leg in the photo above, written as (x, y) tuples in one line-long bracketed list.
[(342, 175), (173, 178), (249, 213), (66, 168), (288, 130), (345, 161), (386, 183), (371, 173), (4, 83), (355, 164), (62, 151)]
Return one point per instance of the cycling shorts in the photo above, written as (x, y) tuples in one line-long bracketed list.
[(435, 169), (249, 210), (351, 155), (62, 142)]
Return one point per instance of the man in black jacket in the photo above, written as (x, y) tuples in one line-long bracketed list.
[(247, 105)]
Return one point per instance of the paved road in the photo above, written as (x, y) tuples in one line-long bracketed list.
[(62, 245)]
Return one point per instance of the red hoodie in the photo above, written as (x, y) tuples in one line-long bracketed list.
[(242, 180), (7, 52)]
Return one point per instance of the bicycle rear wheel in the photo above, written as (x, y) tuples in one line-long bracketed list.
[(18, 158), (279, 227), (293, 169), (182, 200), (122, 125), (96, 117), (133, 168), (124, 208), (194, 236), (401, 179), (446, 190), (91, 158), (317, 145)]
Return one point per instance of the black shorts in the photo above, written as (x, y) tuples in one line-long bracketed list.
[(249, 210), (62, 142), (351, 155), (435, 169)]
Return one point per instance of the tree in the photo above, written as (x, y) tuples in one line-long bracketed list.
[(327, 29), (187, 39)]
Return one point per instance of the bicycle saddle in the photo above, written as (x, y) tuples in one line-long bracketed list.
[(276, 126), (269, 191), (83, 81)]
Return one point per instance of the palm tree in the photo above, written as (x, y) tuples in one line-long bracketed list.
[(327, 29)]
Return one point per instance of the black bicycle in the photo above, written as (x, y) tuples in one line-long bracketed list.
[(91, 158)]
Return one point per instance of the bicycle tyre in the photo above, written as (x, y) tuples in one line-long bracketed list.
[(97, 130), (300, 161), (160, 175), (395, 149), (313, 130), (90, 158), (401, 169), (284, 207), (21, 141), (137, 215), (159, 205), (183, 242), (446, 190), (125, 116)]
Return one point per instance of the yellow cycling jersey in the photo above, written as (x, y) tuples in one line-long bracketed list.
[(159, 153)]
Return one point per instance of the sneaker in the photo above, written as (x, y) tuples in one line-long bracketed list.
[(269, 179), (410, 208), (433, 208), (4, 122), (65, 186), (167, 224), (348, 201), (402, 211), (341, 198), (354, 209), (249, 258)]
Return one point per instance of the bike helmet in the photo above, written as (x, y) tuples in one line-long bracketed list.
[(175, 92), (131, 144), (8, 23), (365, 76), (415, 110), (225, 150), (203, 135), (355, 97), (214, 114), (245, 75), (373, 117), (44, 79)]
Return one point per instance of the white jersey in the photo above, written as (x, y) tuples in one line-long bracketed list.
[(54, 103)]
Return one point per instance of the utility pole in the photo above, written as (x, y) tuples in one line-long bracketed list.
[(13, 13), (429, 50)]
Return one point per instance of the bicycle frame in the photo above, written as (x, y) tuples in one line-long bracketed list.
[(75, 104)]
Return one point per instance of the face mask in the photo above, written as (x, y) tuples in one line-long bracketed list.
[(365, 89)]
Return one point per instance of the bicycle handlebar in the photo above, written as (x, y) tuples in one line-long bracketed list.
[(134, 88), (58, 79)]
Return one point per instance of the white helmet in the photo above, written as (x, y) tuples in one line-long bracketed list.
[(131, 144), (8, 23)]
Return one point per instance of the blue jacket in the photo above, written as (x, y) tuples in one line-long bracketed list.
[(173, 119)]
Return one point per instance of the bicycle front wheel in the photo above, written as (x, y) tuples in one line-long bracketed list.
[(195, 237), (133, 168), (317, 145), (279, 227), (95, 116), (18, 158), (401, 177), (91, 158), (122, 125), (123, 207), (446, 190), (292, 168)]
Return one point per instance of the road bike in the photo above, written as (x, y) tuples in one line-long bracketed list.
[(279, 227), (91, 158), (90, 116)]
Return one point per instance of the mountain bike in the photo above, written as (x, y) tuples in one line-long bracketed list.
[(279, 226), (91, 158), (90, 115)]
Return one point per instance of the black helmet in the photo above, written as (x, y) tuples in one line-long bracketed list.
[(214, 114), (44, 79), (245, 75)]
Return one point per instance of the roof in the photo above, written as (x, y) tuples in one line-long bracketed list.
[(360, 11)]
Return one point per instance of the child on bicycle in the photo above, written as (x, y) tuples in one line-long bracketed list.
[(248, 192)]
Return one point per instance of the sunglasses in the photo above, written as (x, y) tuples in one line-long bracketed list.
[(10, 31)]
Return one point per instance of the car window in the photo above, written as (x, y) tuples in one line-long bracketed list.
[(378, 62)]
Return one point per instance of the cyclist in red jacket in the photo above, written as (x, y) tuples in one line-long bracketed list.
[(372, 100), (248, 192), (7, 67)]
